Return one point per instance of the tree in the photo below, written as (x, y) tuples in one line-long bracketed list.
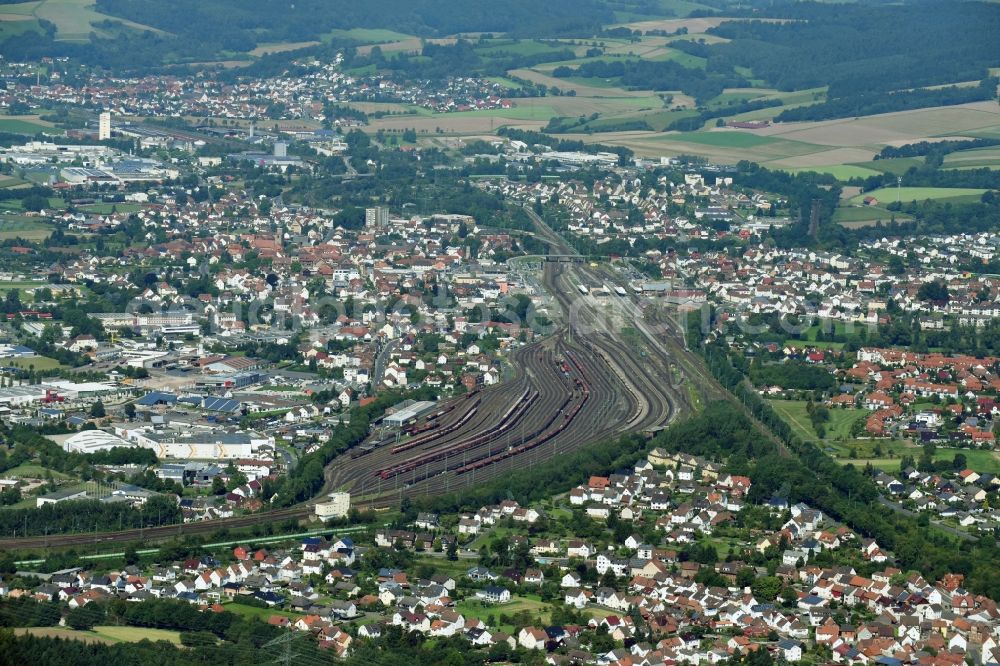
[(130, 410), (452, 552), (35, 203), (218, 486), (84, 617), (745, 577), (97, 410), (766, 588), (959, 462), (935, 290)]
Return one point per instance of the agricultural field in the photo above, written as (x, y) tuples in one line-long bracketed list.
[(33, 471), (370, 35), (892, 452), (842, 147), (862, 216), (26, 125), (974, 159), (19, 284), (106, 634), (21, 227), (828, 326), (388, 41), (12, 25), (724, 146), (530, 113), (693, 25), (897, 166), (18, 205), (280, 47), (906, 194), (838, 171), (65, 632), (260, 613), (892, 128), (516, 47), (108, 208), (12, 181), (74, 19)]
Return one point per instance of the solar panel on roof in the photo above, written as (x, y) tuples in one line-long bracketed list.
[(220, 404), (155, 398)]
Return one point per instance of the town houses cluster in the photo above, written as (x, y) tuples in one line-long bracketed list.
[(639, 586), (304, 96)]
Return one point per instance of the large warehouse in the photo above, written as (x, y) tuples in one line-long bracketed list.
[(199, 445), (91, 441)]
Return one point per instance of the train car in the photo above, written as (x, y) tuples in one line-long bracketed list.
[(620, 290), (583, 289)]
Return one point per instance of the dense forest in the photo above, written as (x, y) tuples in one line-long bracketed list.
[(862, 48), (459, 59), (702, 84), (239, 23)]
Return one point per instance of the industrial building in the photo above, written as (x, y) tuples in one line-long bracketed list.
[(60, 496), (406, 413), (19, 396), (197, 445), (91, 441)]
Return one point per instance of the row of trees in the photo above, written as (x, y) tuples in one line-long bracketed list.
[(868, 104), (89, 516)]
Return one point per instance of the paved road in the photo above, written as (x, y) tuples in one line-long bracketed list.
[(947, 528), (381, 361)]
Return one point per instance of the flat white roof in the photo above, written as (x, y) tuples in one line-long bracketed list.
[(411, 412)]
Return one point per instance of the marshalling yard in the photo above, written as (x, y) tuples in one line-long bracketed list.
[(581, 384)]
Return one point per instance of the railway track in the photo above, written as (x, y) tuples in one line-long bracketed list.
[(580, 385)]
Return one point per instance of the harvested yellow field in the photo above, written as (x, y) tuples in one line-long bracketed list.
[(881, 130)]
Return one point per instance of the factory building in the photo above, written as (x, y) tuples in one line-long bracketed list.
[(198, 445)]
